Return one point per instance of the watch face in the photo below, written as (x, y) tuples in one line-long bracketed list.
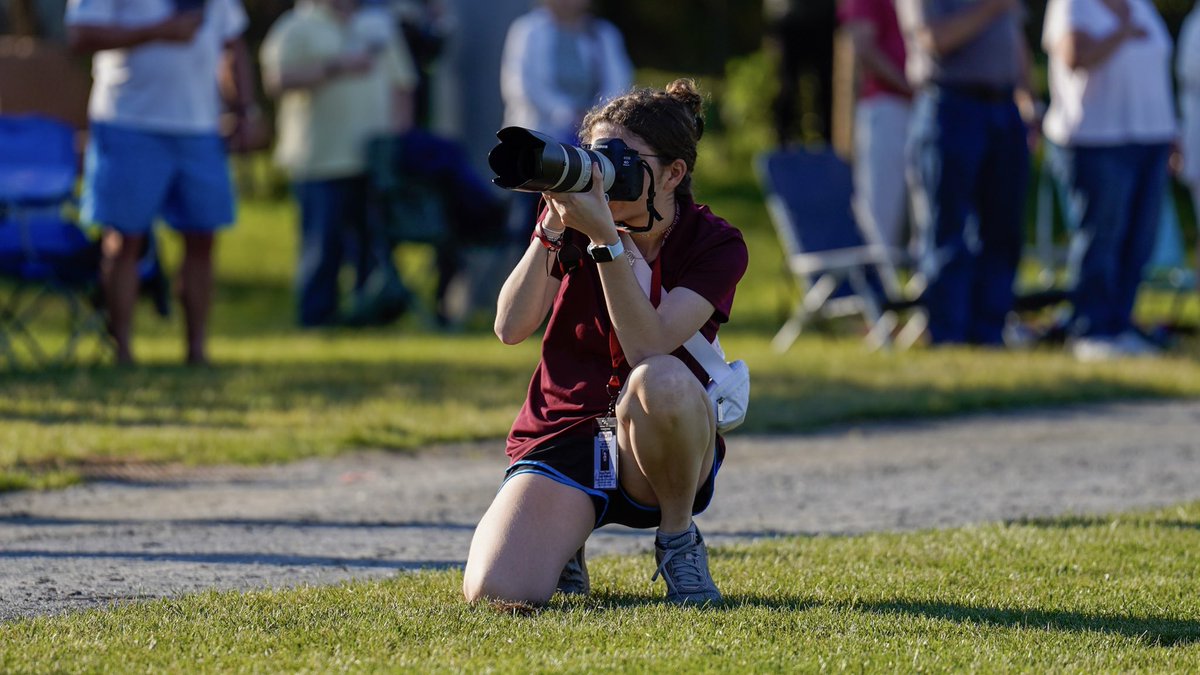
[(606, 253), (601, 254)]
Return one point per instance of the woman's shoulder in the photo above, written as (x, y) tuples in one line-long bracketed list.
[(709, 237), (709, 224)]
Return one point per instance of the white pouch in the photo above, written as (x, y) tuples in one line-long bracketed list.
[(731, 396), (729, 386)]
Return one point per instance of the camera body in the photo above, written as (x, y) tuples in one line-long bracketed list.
[(530, 161)]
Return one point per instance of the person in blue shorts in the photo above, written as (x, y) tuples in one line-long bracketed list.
[(617, 426), (155, 149)]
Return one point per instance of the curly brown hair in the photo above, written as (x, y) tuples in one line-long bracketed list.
[(670, 120)]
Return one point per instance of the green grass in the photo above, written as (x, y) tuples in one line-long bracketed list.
[(278, 393), (1082, 594)]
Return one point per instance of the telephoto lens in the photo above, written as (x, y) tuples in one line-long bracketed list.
[(530, 161)]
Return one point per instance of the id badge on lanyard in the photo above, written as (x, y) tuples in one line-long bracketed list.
[(605, 454)]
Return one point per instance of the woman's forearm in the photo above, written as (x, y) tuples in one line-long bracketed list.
[(1080, 50), (946, 35), (88, 39), (872, 59), (526, 296)]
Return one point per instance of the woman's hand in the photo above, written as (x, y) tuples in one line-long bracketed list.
[(586, 212)]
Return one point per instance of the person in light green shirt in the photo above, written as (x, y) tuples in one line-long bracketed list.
[(342, 76)]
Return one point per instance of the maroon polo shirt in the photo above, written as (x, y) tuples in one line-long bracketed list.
[(569, 388)]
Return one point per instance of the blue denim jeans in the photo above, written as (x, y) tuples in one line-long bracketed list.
[(1115, 195), (335, 227), (968, 165)]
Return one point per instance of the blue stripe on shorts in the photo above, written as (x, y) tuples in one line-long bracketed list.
[(599, 498)]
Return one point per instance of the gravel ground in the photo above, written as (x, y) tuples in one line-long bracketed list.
[(138, 533)]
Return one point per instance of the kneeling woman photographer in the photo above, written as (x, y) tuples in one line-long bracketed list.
[(612, 368)]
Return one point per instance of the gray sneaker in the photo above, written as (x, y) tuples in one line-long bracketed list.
[(683, 563), (573, 580)]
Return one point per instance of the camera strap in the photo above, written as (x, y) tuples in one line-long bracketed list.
[(654, 291), (653, 213)]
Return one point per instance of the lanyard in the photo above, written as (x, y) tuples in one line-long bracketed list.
[(614, 345)]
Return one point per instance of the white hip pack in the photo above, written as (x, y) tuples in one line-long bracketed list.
[(729, 387)]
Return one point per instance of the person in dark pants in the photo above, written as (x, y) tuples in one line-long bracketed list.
[(342, 77), (1112, 122), (968, 159)]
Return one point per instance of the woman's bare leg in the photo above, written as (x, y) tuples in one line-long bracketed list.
[(532, 528), (119, 276), (666, 437)]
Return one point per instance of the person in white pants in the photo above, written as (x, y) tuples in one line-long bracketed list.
[(880, 118)]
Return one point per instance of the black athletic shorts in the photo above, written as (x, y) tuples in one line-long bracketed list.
[(569, 461)]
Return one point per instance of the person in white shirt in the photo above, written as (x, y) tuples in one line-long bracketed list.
[(1112, 122), (558, 61), (155, 146)]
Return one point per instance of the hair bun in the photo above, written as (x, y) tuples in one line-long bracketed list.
[(685, 91)]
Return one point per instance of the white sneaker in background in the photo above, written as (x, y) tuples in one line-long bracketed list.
[(1093, 349), (1133, 344), (1017, 335)]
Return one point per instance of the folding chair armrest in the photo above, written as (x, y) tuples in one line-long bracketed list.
[(838, 259)]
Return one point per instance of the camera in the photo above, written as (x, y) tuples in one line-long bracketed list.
[(530, 161)]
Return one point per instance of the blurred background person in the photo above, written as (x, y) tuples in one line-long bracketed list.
[(1187, 72), (154, 147), (342, 77), (1112, 122), (968, 159), (426, 26), (881, 116), (801, 32), (559, 60)]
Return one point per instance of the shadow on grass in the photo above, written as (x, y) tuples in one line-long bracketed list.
[(1178, 524), (1067, 522), (779, 405), (221, 396), (1157, 631), (24, 520), (1072, 521), (235, 558)]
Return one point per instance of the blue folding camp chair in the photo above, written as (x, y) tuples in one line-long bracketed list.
[(841, 265), (44, 255), (1168, 269)]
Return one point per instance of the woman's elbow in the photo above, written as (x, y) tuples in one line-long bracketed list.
[(635, 356), (508, 333), (929, 43)]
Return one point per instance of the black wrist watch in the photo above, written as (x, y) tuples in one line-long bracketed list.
[(602, 253)]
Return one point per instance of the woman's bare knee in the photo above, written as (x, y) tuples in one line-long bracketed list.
[(662, 386), (495, 586), (523, 540)]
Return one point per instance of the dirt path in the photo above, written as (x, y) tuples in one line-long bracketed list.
[(146, 535)]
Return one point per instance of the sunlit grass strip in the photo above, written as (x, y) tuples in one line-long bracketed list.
[(1066, 595), (283, 397)]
